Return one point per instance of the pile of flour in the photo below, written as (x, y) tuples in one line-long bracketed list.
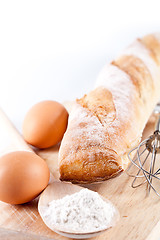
[(84, 211)]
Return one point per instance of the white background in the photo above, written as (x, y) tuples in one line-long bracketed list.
[(55, 49)]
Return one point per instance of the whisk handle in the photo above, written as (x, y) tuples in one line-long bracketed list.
[(158, 124)]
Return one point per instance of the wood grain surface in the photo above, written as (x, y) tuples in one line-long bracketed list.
[(139, 214)]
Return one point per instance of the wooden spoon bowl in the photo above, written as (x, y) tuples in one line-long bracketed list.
[(58, 190)]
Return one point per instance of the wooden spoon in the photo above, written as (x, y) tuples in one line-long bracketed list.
[(58, 190)]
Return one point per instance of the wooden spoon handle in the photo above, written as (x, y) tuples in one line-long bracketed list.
[(10, 139)]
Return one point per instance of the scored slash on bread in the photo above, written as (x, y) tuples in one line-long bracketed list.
[(108, 122)]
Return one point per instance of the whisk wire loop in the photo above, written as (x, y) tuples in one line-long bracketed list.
[(146, 168)]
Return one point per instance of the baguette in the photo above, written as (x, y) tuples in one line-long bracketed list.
[(105, 124)]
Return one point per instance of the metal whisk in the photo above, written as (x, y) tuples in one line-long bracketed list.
[(147, 150)]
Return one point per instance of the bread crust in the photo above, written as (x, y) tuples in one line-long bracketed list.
[(105, 124)]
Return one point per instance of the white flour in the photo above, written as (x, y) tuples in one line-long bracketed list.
[(84, 211)]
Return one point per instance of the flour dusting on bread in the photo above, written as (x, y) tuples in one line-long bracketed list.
[(139, 50)]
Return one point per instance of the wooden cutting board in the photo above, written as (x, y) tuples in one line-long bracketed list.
[(140, 218)]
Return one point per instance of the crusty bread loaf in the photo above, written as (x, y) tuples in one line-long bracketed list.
[(108, 122)]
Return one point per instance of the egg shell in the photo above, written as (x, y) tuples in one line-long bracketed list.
[(23, 176), (45, 124)]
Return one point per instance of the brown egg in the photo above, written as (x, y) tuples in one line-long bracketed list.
[(23, 175), (45, 124)]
